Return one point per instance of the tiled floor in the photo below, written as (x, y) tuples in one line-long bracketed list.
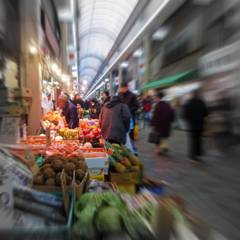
[(211, 191)]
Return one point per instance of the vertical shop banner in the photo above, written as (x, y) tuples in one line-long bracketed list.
[(71, 56)]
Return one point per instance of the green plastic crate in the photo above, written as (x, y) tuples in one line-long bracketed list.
[(49, 233)]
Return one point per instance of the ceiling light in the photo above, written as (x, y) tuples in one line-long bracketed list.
[(54, 67), (160, 34), (124, 64), (65, 78), (138, 53), (33, 50), (74, 73), (59, 72), (85, 82), (83, 88), (143, 28), (74, 68)]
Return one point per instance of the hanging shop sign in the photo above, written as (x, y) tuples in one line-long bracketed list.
[(71, 56), (222, 60)]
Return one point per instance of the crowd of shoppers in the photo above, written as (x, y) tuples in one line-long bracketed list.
[(118, 116)]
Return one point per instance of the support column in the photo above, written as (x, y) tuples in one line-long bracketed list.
[(29, 64), (147, 46), (111, 83), (120, 75)]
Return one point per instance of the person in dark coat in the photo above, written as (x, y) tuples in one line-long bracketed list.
[(78, 101), (94, 109), (115, 121), (147, 107), (106, 97), (69, 111), (195, 111), (163, 117), (130, 99)]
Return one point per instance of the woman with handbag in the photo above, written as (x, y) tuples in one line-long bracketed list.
[(163, 117)]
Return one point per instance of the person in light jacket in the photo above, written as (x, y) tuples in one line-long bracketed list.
[(115, 121)]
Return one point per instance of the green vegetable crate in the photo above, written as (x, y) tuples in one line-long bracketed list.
[(62, 232)]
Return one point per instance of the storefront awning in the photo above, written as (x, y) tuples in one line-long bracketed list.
[(171, 80)]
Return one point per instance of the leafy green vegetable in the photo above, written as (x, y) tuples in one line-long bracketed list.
[(85, 224), (109, 220), (137, 226), (89, 199)]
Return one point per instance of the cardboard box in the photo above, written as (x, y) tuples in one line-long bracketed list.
[(96, 174), (78, 188), (127, 177), (127, 188), (100, 162)]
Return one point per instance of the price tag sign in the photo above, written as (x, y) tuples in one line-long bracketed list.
[(6, 199), (9, 130)]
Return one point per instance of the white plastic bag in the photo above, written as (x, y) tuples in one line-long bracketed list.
[(129, 143)]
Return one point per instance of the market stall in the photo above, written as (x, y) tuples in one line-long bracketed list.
[(97, 211), (62, 186)]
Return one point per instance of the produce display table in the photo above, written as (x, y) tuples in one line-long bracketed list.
[(122, 202)]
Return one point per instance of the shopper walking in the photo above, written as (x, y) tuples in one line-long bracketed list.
[(115, 121), (147, 107), (69, 111), (163, 117), (195, 112), (130, 99)]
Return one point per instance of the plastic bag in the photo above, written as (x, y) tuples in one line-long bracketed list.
[(129, 144)]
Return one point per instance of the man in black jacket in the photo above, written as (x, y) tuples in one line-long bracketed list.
[(195, 112), (130, 99)]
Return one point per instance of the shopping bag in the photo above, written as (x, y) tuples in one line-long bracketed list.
[(136, 131), (154, 137), (129, 143)]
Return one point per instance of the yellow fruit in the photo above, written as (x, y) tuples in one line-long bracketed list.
[(135, 168), (134, 160), (120, 168)]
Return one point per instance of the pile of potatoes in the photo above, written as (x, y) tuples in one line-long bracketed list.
[(50, 173)]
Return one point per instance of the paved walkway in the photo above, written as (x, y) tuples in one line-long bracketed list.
[(211, 191)]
